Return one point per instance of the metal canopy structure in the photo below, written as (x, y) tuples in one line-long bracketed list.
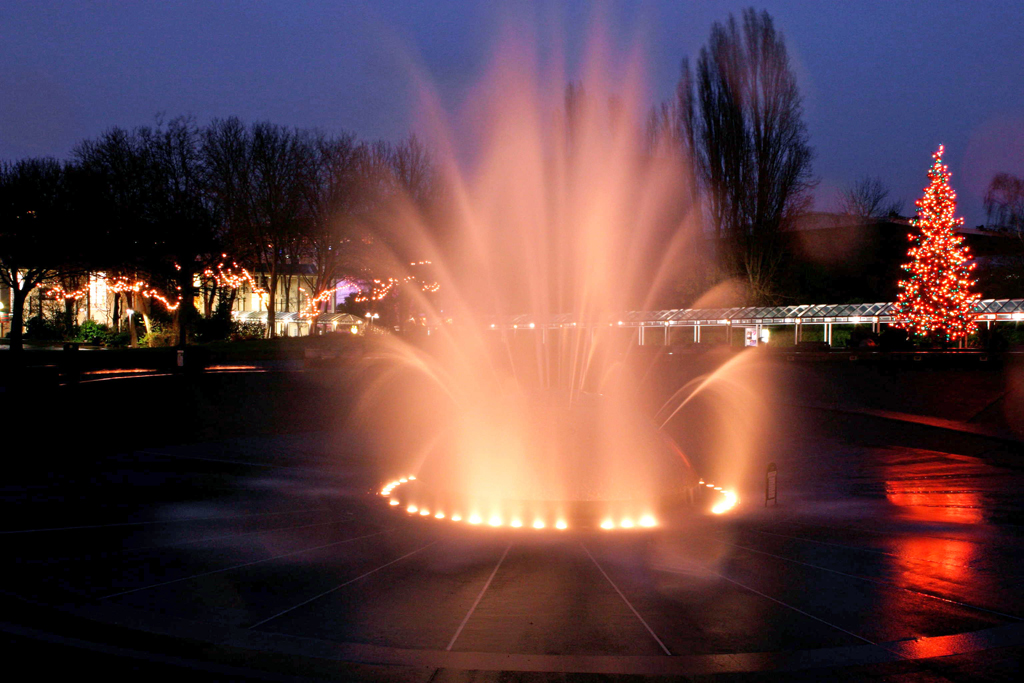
[(294, 317), (757, 317), (293, 323), (876, 314), (820, 314)]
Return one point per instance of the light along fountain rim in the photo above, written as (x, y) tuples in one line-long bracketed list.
[(645, 521)]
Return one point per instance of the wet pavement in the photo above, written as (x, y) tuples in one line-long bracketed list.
[(268, 555)]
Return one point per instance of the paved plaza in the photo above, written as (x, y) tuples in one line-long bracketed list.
[(268, 556)]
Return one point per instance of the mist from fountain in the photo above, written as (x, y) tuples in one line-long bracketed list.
[(557, 203)]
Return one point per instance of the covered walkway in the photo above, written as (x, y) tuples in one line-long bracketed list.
[(656, 327), (292, 324)]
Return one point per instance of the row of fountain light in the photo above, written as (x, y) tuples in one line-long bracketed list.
[(496, 520), (729, 500)]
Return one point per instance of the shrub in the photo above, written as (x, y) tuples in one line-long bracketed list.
[(41, 328), (92, 332), (218, 326), (119, 340), (247, 330), (159, 337)]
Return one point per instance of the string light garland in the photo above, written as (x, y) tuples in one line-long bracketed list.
[(228, 278), (312, 307), (235, 277), (58, 292), (381, 288), (937, 298), (118, 285), (122, 284)]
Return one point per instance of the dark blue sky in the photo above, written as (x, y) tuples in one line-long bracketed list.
[(883, 82)]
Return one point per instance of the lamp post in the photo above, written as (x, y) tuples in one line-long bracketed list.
[(131, 328)]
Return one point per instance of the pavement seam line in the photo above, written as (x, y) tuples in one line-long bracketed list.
[(225, 461), (207, 539), (479, 597), (178, 544), (625, 600), (161, 521), (246, 564), (879, 582), (340, 586), (229, 671), (796, 609), (839, 545)]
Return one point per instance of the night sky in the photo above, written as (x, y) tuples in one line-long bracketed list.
[(883, 82)]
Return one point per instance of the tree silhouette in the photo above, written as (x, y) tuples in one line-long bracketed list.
[(741, 115)]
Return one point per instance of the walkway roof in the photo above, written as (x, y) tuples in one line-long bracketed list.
[(987, 309), (294, 317)]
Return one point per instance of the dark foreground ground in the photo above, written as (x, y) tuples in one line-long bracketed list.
[(243, 545)]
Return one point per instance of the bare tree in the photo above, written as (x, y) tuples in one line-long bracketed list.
[(278, 173), (32, 227), (670, 125), (334, 199), (750, 145), (153, 210), (868, 199), (256, 175), (414, 170), (187, 229)]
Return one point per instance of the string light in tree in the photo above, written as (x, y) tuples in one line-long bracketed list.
[(58, 292), (122, 284), (936, 298), (312, 307), (171, 307), (381, 288), (234, 277), (118, 285)]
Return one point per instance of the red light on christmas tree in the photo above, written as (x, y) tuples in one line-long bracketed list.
[(936, 299)]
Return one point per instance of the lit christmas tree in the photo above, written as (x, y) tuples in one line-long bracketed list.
[(936, 299)]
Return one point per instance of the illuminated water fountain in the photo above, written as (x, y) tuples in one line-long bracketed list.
[(576, 465), (563, 207)]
